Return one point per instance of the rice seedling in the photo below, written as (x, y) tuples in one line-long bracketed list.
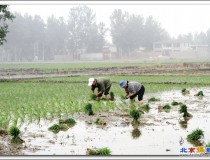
[(174, 103), (100, 122), (88, 109), (69, 121), (166, 107), (136, 133), (134, 113), (200, 94), (57, 128), (100, 151), (14, 131), (185, 91), (183, 109), (112, 96), (54, 128), (195, 135), (93, 96), (153, 99)]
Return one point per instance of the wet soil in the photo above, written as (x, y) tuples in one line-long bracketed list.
[(159, 132), (181, 69)]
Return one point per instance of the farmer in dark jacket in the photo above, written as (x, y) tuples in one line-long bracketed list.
[(132, 89), (103, 85)]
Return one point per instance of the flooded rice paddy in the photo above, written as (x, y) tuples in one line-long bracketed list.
[(159, 132)]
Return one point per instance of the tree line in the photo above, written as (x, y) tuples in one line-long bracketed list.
[(30, 37)]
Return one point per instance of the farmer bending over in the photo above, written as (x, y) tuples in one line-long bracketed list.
[(103, 85), (132, 89)]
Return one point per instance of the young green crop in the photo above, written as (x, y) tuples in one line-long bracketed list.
[(174, 103), (89, 109), (153, 99), (183, 109), (112, 96), (134, 113), (14, 131), (200, 93), (166, 107), (100, 151), (195, 135)]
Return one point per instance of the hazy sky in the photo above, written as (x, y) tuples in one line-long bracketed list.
[(178, 18)]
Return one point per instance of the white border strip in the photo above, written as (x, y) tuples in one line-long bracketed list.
[(107, 2)]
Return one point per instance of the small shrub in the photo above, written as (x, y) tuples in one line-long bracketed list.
[(135, 114), (183, 109), (88, 109), (112, 96), (101, 151), (195, 135), (14, 131), (93, 96), (200, 93), (167, 106), (153, 99), (174, 103)]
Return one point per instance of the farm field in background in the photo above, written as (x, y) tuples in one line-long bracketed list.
[(34, 104)]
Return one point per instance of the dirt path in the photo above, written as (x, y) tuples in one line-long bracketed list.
[(169, 69)]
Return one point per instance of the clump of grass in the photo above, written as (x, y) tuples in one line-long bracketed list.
[(69, 121), (200, 93), (183, 109), (166, 107), (185, 91), (56, 128), (174, 103), (136, 133), (100, 121), (89, 109), (100, 151), (14, 131), (134, 113), (207, 145), (112, 96), (146, 107), (153, 99), (92, 96), (195, 135)]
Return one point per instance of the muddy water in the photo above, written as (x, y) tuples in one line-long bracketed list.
[(159, 132)]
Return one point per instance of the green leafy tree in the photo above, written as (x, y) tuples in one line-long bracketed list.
[(5, 15), (153, 33)]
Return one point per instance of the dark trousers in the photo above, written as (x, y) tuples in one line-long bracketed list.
[(140, 94)]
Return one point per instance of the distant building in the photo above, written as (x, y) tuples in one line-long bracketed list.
[(171, 46), (200, 47)]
